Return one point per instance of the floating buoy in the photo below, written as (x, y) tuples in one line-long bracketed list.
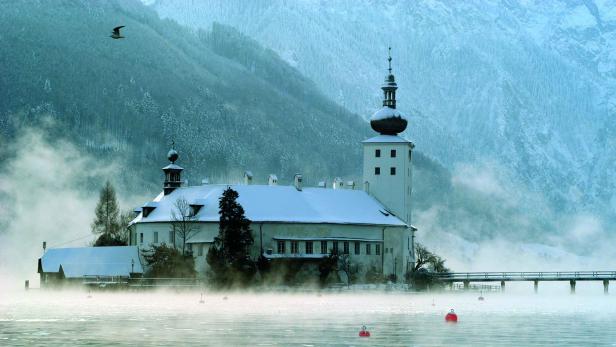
[(363, 332), (451, 317)]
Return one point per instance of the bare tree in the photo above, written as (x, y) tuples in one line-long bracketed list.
[(345, 265), (183, 223)]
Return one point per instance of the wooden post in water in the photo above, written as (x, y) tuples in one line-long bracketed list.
[(572, 285), (536, 286), (502, 286), (606, 286)]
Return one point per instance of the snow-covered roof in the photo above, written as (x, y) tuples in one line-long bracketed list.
[(386, 112), (92, 261), (386, 139), (173, 166), (280, 204)]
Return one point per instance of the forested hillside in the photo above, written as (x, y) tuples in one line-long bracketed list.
[(228, 103)]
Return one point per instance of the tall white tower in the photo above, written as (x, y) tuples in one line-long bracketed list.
[(388, 175)]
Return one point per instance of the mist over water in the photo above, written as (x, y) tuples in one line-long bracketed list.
[(305, 319)]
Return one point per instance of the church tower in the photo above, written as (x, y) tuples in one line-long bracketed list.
[(173, 172), (388, 175)]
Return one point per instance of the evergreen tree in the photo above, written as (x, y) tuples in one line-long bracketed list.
[(107, 219), (229, 258)]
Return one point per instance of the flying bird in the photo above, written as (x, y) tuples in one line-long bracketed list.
[(115, 34)]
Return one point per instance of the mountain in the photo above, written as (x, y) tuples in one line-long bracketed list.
[(528, 86), (228, 103), (109, 109)]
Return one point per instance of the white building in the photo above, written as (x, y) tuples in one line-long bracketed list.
[(372, 225)]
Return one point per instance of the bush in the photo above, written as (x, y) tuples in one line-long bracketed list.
[(168, 262)]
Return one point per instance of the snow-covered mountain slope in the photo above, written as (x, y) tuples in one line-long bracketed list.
[(529, 85)]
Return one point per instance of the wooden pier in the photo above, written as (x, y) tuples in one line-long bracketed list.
[(566, 276)]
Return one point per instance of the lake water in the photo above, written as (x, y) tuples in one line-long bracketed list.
[(42, 318)]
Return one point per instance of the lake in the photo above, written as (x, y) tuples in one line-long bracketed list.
[(44, 318)]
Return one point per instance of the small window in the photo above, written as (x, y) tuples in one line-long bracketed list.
[(308, 247), (377, 153), (357, 247), (345, 247), (335, 247), (189, 246), (392, 171), (393, 153), (294, 247), (377, 249), (410, 156), (171, 238), (156, 237), (368, 249), (200, 250), (377, 170), (323, 247), (140, 237), (281, 247)]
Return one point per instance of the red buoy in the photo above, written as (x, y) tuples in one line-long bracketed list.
[(451, 317), (364, 332)]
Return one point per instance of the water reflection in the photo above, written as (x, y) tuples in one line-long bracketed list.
[(162, 319)]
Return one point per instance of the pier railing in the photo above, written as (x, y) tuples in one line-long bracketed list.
[(525, 276)]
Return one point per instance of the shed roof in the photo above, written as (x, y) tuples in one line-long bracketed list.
[(280, 204), (92, 261)]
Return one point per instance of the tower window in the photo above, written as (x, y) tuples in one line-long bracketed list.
[(323, 247), (410, 155), (280, 247), (377, 170), (392, 171), (393, 153), (377, 153)]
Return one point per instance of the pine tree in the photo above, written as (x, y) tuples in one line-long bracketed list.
[(107, 220), (229, 258)]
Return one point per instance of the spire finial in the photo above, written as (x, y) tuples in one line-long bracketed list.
[(172, 155), (389, 59)]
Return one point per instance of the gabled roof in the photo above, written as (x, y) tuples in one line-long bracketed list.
[(92, 261), (280, 204)]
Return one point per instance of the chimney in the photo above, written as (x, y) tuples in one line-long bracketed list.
[(298, 181), (247, 177), (205, 181), (322, 184), (272, 180), (44, 246), (338, 183), (351, 185)]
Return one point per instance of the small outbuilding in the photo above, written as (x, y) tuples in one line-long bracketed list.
[(83, 265)]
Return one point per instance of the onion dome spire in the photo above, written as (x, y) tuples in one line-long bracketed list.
[(387, 120)]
